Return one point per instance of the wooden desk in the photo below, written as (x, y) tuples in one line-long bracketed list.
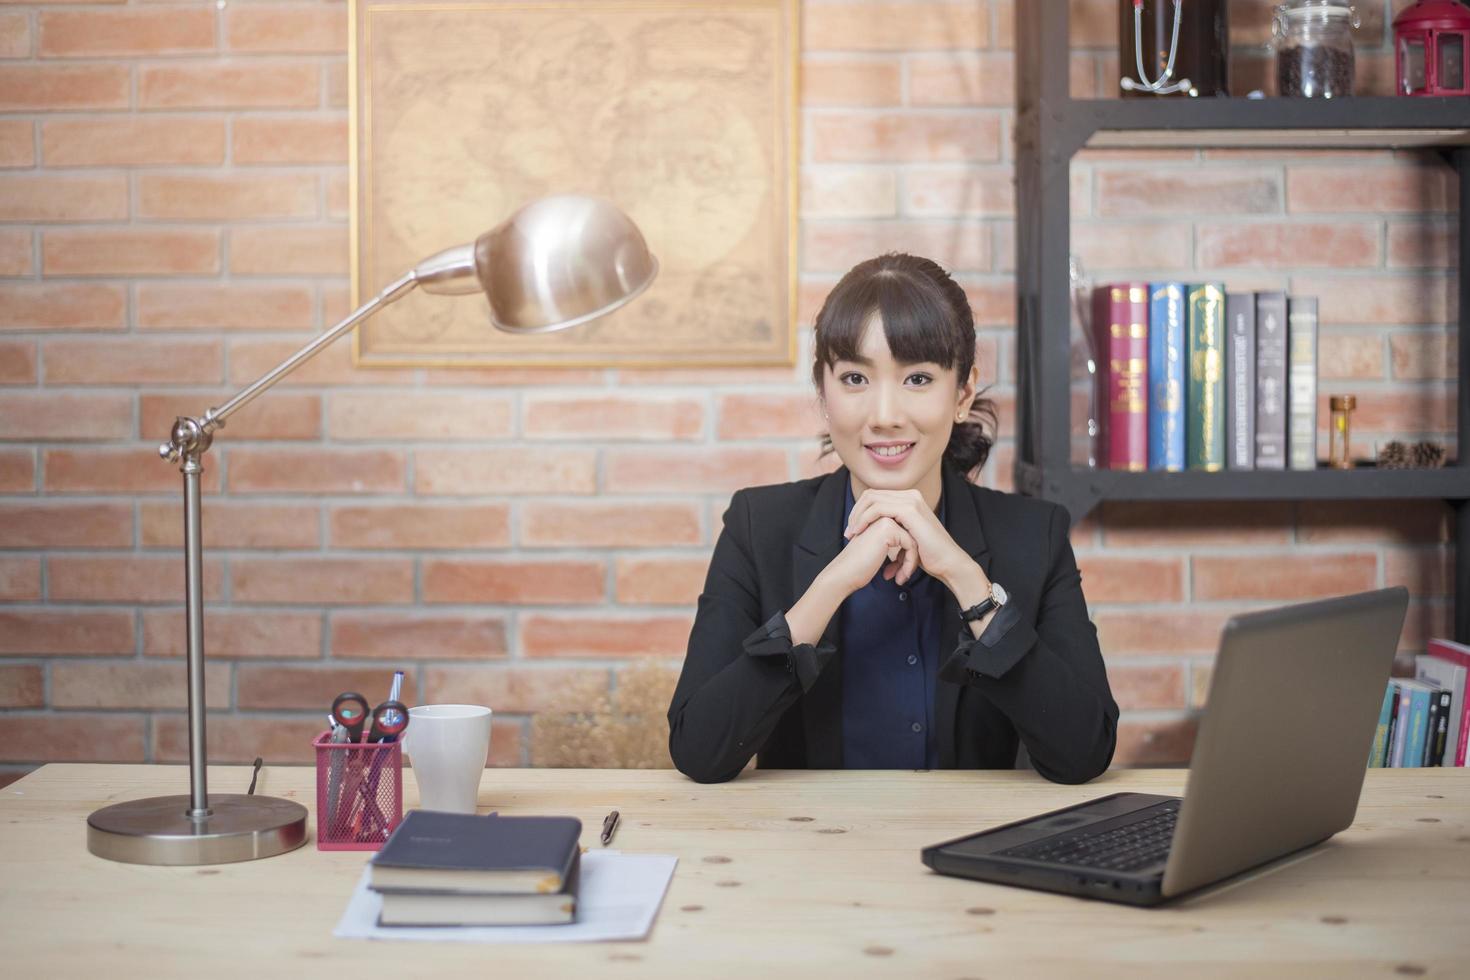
[(781, 874)]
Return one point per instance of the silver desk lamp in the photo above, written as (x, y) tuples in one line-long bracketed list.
[(557, 262)]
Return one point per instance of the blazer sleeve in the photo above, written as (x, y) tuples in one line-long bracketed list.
[(740, 674), (1048, 679)]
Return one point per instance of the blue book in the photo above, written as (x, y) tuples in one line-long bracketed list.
[(1418, 726), (1166, 375), (1377, 758)]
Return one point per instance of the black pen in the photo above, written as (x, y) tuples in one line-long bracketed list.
[(609, 824)]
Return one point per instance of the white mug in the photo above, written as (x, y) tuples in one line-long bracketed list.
[(448, 745)]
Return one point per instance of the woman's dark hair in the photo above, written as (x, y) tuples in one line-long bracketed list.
[(926, 318)]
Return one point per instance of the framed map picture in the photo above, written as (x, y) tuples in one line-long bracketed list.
[(681, 113)]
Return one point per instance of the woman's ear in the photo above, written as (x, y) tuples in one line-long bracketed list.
[(968, 391)]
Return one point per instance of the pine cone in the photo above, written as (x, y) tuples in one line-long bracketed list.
[(1394, 456), (1427, 455)]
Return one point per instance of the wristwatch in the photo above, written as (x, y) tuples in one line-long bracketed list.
[(994, 600)]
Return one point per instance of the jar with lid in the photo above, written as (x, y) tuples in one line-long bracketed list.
[(1314, 48)]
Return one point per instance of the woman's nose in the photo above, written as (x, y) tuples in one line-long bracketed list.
[(887, 406)]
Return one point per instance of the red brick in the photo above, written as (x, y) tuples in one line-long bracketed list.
[(993, 304), (599, 636), (831, 246), (224, 306), (692, 470), (70, 632), (233, 524), (837, 81), (132, 141), (418, 526), (618, 416), (17, 251), (894, 26), (457, 636), (480, 582), (62, 306), (219, 84), (1403, 299), (1279, 245), (252, 359), (908, 137), (136, 469), (1283, 577), (1374, 190), (17, 471), (1139, 191), (48, 198), (291, 251), (17, 362), (1424, 571), (1141, 688), (22, 686), (1106, 578), (775, 415), (43, 415), (132, 579), (227, 197), (39, 88), (236, 634), (72, 737), (279, 470), (1338, 521), (1422, 244), (1155, 743), (1424, 620), (511, 689), (334, 80), (51, 524), (950, 192), (290, 139), (297, 28), (1412, 410), (506, 740), (471, 472), (1429, 354), (660, 581), (1343, 355), (131, 31), (609, 525), (962, 78), (130, 252), (240, 739), (1132, 246), (134, 684), (419, 415), (20, 579), (135, 360), (1204, 524), (833, 193), (322, 581), (281, 416), (17, 143), (337, 195), (303, 687)]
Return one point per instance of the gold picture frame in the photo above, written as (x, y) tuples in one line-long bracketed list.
[(683, 113)]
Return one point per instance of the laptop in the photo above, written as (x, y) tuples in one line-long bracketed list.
[(1278, 766)]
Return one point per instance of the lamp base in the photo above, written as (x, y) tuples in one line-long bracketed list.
[(158, 830)]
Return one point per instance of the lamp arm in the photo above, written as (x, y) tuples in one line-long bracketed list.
[(194, 435)]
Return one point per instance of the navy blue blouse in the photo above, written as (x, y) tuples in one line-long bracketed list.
[(890, 665)]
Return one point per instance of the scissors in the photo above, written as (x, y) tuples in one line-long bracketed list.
[(388, 721)]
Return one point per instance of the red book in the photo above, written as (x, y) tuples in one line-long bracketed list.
[(1120, 324), (1455, 653)]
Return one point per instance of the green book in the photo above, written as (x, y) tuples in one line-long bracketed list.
[(1204, 415)]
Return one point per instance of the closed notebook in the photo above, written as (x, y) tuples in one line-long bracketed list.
[(457, 908), (471, 853)]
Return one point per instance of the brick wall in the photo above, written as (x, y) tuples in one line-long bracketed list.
[(173, 222)]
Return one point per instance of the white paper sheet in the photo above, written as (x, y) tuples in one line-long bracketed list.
[(617, 898)]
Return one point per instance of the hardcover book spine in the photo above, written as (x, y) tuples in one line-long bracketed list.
[(1450, 677), (1240, 380), (1431, 725), (1301, 330), (1120, 318), (1166, 376), (1380, 734), (1439, 736), (1401, 726), (1204, 415), (1414, 737), (1271, 381), (1464, 731)]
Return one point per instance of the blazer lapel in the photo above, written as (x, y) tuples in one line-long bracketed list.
[(820, 541), (962, 521)]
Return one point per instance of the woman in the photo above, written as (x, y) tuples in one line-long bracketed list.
[(892, 614)]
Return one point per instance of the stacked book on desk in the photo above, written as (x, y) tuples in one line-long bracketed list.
[(1424, 721), (1192, 377), (451, 869)]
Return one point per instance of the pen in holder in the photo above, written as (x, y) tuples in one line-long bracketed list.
[(359, 793)]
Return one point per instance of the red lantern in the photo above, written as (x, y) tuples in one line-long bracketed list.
[(1430, 40)]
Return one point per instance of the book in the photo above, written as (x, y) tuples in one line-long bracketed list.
[(1394, 734), (1301, 369), (1458, 653), (1271, 381), (420, 907), (1434, 739), (1204, 387), (1380, 734), (1120, 320), (1166, 376), (1240, 381), (1431, 724), (1451, 678), (1414, 702), (472, 853)]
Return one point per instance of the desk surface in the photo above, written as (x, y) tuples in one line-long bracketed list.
[(781, 874)]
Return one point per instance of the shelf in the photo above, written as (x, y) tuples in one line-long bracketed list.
[(1449, 483)]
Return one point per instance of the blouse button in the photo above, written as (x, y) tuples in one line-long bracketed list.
[(913, 659), (917, 727), (902, 596)]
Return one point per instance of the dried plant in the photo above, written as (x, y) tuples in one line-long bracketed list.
[(590, 727)]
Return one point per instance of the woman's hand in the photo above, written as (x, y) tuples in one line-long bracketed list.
[(884, 544), (937, 554)]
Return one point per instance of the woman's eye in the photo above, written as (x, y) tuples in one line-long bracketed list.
[(852, 378), (919, 379)]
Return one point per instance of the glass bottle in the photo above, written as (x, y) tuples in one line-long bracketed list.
[(1339, 455), (1313, 42)]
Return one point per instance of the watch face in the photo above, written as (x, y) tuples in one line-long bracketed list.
[(1000, 594)]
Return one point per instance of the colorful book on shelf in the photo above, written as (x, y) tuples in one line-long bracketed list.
[(1450, 676), (1414, 706), (1380, 734), (1393, 734), (1240, 381), (1166, 375), (1301, 369), (1434, 739), (1204, 407), (1457, 653), (1120, 322), (1271, 381)]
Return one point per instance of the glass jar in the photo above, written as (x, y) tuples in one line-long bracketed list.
[(1314, 48)]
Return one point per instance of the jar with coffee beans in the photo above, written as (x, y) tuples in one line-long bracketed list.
[(1313, 42)]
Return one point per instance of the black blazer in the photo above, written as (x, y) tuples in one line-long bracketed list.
[(1034, 676)]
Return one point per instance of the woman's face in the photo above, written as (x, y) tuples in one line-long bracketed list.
[(891, 422)]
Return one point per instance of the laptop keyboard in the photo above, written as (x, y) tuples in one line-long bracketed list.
[(1129, 847)]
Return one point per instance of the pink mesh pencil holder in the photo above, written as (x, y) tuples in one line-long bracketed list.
[(359, 793)]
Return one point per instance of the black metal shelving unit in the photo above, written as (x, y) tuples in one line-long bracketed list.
[(1051, 127)]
